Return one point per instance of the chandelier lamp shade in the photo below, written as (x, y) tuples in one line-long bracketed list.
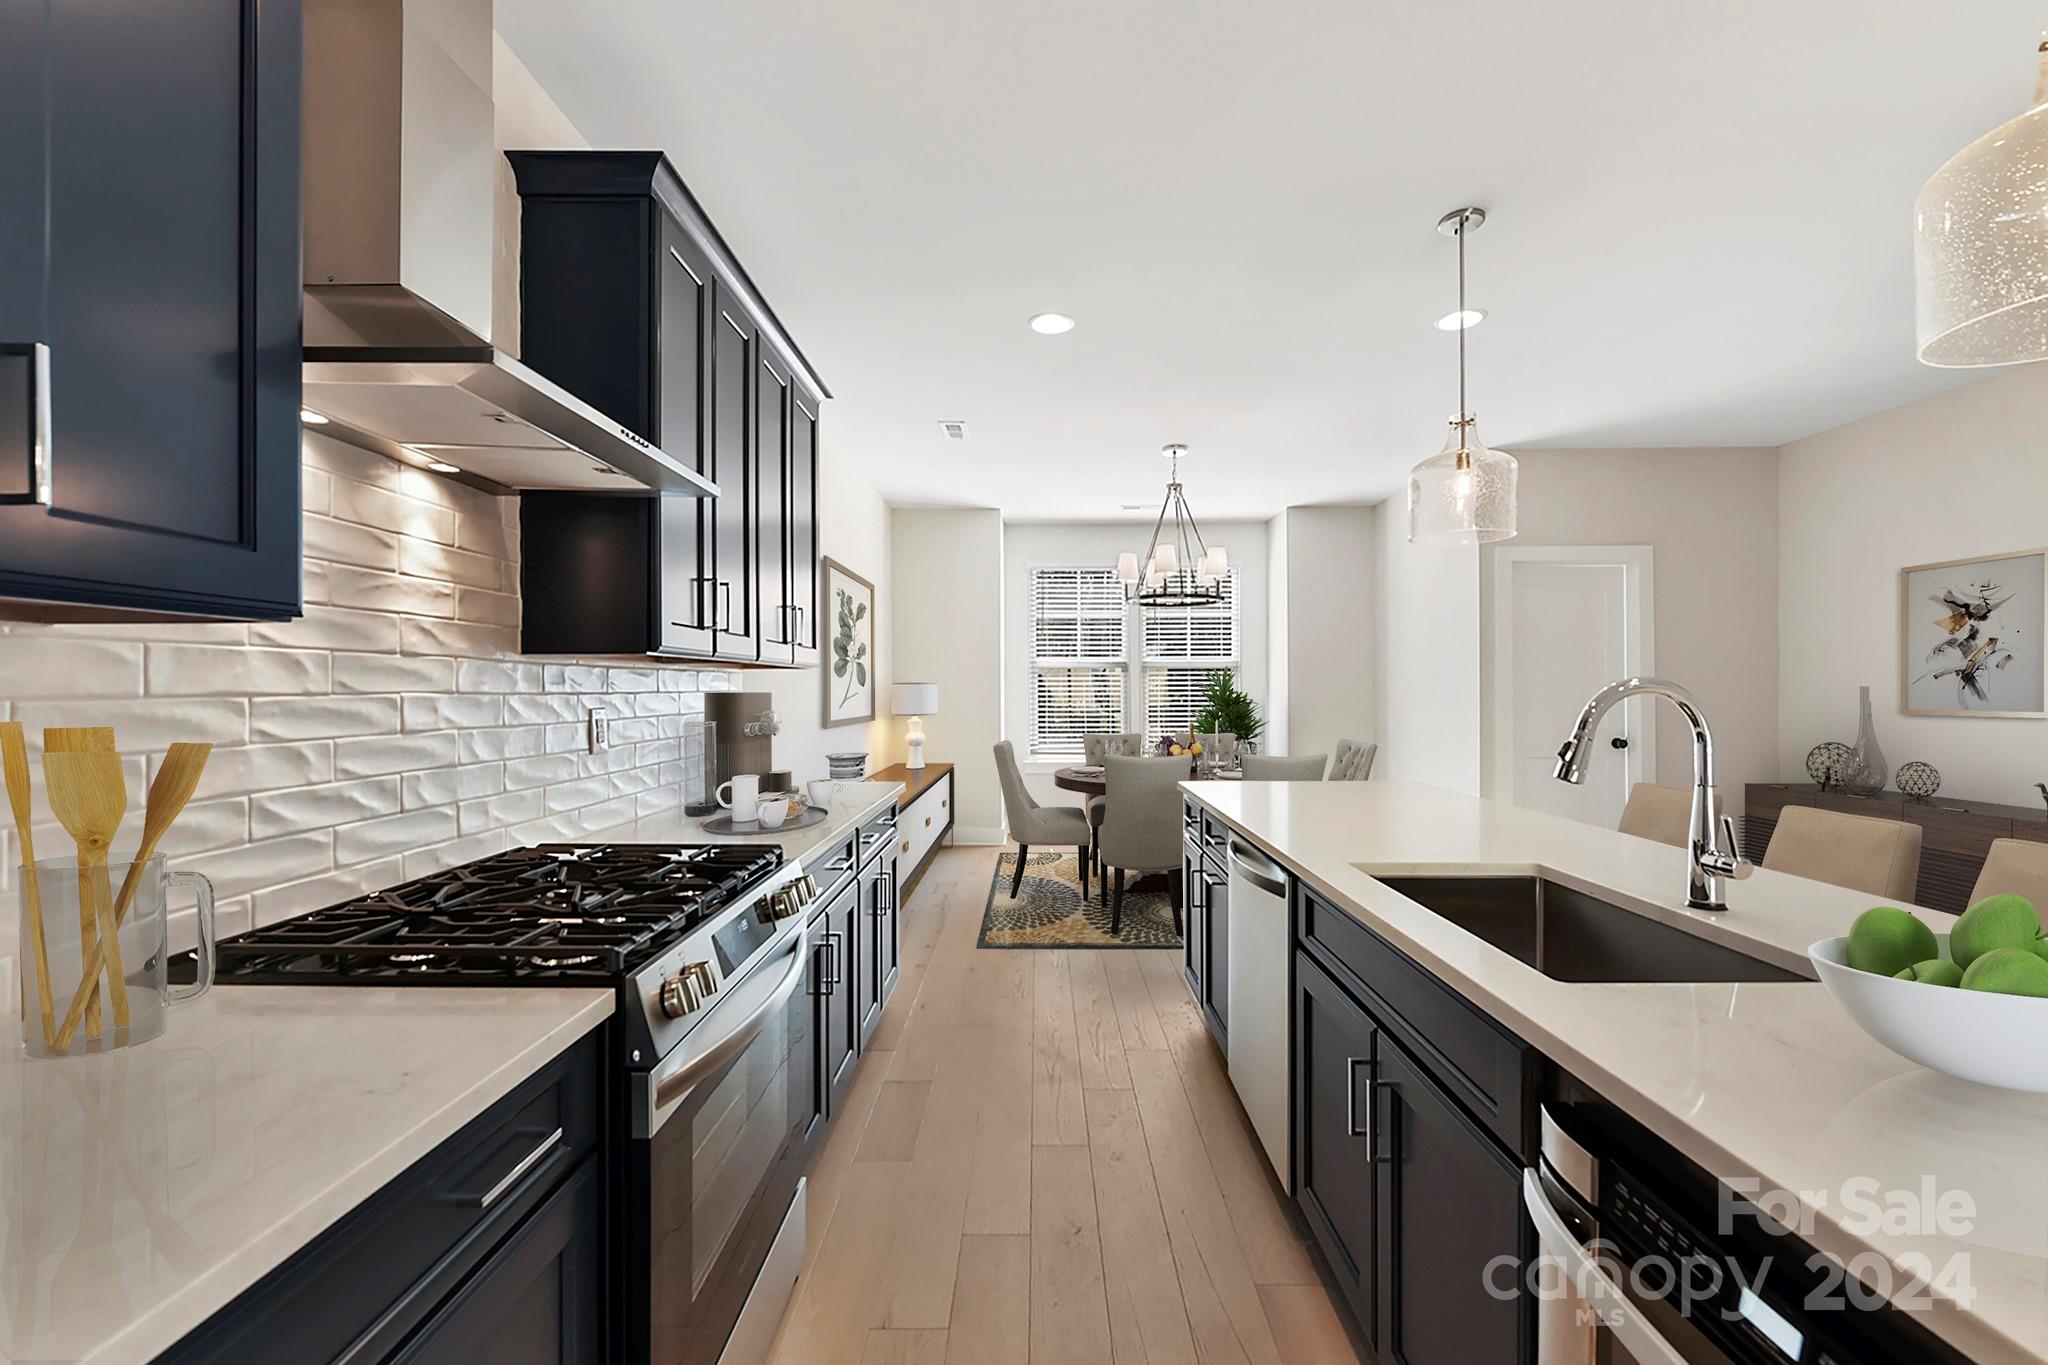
[(1980, 245), (1176, 568), (1465, 493)]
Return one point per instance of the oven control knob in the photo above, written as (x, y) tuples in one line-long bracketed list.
[(807, 887), (679, 996), (704, 977), (785, 903)]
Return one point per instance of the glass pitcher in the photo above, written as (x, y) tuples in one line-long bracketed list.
[(57, 1018)]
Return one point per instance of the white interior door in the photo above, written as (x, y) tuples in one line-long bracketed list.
[(1567, 622)]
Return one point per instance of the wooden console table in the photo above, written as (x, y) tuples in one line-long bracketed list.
[(924, 817), (1955, 835)]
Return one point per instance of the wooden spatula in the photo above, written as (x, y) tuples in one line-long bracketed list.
[(89, 795), (14, 767), (81, 739), (176, 779)]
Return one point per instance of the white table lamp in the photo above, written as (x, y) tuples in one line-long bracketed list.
[(916, 700)]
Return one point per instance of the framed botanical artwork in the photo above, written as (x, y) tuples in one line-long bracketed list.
[(1974, 637), (848, 613)]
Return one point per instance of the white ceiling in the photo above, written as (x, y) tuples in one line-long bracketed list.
[(1700, 226)]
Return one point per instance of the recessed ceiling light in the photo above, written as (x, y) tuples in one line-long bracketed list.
[(1051, 324), (1461, 319), (312, 418), (442, 467)]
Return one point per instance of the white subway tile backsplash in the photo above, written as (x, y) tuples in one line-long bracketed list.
[(398, 834), (392, 754), (43, 663), (321, 717), (392, 673), (453, 711), (391, 731), (234, 670), (301, 808)]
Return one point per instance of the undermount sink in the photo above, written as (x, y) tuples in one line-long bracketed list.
[(1569, 935)]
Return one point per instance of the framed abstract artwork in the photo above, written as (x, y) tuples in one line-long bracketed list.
[(1972, 637), (848, 614)]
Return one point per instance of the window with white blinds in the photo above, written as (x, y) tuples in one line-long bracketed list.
[(1181, 647), (1079, 657)]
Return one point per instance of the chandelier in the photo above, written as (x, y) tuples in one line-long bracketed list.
[(1465, 493), (1178, 570)]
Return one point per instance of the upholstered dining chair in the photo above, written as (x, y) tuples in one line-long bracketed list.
[(1279, 768), (1354, 761), (1861, 852), (2014, 867), (1031, 823), (1094, 748), (1662, 813), (1141, 832)]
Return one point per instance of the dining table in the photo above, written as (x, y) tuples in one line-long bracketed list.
[(1090, 781)]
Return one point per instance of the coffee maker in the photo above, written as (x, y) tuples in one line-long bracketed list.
[(744, 739)]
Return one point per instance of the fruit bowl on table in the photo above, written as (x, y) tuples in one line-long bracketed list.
[(1974, 1035)]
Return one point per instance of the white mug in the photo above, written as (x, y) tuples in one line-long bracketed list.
[(745, 801), (774, 810), (820, 790)]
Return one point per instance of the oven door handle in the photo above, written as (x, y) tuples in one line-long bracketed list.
[(668, 1085), (1616, 1313)]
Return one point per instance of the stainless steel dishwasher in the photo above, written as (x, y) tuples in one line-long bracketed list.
[(1261, 955)]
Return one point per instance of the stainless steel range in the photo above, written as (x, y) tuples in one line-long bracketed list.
[(707, 948)]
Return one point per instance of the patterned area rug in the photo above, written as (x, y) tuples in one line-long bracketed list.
[(1049, 912)]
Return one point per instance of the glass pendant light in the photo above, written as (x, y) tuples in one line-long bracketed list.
[(1980, 246), (1465, 493), (1179, 570)]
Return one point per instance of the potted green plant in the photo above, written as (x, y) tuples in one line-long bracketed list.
[(1228, 709)]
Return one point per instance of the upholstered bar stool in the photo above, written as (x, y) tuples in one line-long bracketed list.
[(1860, 852)]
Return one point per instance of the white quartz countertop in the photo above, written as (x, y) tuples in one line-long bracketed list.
[(852, 803), (146, 1188), (1770, 1082)]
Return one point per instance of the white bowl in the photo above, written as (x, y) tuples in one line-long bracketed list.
[(1979, 1036)]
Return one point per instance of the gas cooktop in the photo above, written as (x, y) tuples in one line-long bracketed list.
[(553, 914)]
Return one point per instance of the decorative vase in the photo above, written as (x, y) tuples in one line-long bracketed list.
[(1866, 771)]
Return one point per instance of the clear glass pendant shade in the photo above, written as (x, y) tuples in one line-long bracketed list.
[(1980, 248), (1465, 493)]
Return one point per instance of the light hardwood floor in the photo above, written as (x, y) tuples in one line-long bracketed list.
[(1041, 1160)]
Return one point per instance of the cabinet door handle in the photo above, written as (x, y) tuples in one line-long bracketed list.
[(40, 486), (1351, 1128), (724, 621), (519, 1172), (832, 941)]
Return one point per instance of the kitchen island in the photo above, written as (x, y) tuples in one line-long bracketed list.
[(1761, 1081)]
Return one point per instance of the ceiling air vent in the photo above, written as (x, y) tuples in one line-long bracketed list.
[(955, 431)]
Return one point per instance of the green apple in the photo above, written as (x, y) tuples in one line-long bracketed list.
[(1887, 940), (1995, 922)]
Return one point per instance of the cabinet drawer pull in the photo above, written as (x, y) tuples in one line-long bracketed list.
[(519, 1172), (906, 842), (927, 825)]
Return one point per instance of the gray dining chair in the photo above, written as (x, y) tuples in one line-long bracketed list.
[(1354, 761), (1031, 823), (2016, 867), (1662, 813), (1142, 831), (1277, 768), (1095, 748), (1862, 852)]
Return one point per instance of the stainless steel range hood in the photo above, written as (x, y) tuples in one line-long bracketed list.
[(402, 180)]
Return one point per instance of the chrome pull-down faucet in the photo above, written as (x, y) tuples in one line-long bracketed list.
[(1710, 861)]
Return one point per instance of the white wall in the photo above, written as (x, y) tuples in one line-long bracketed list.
[(1426, 669), (1951, 476), (1711, 517), (1332, 556), (945, 618), (853, 528), (1030, 544), (1278, 671)]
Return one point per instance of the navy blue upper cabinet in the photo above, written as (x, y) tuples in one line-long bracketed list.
[(149, 308), (630, 299)]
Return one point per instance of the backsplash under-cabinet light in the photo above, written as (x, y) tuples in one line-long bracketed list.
[(390, 731)]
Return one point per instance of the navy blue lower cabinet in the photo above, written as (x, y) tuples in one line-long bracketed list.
[(149, 309), (491, 1247), (539, 1300), (1334, 1053)]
